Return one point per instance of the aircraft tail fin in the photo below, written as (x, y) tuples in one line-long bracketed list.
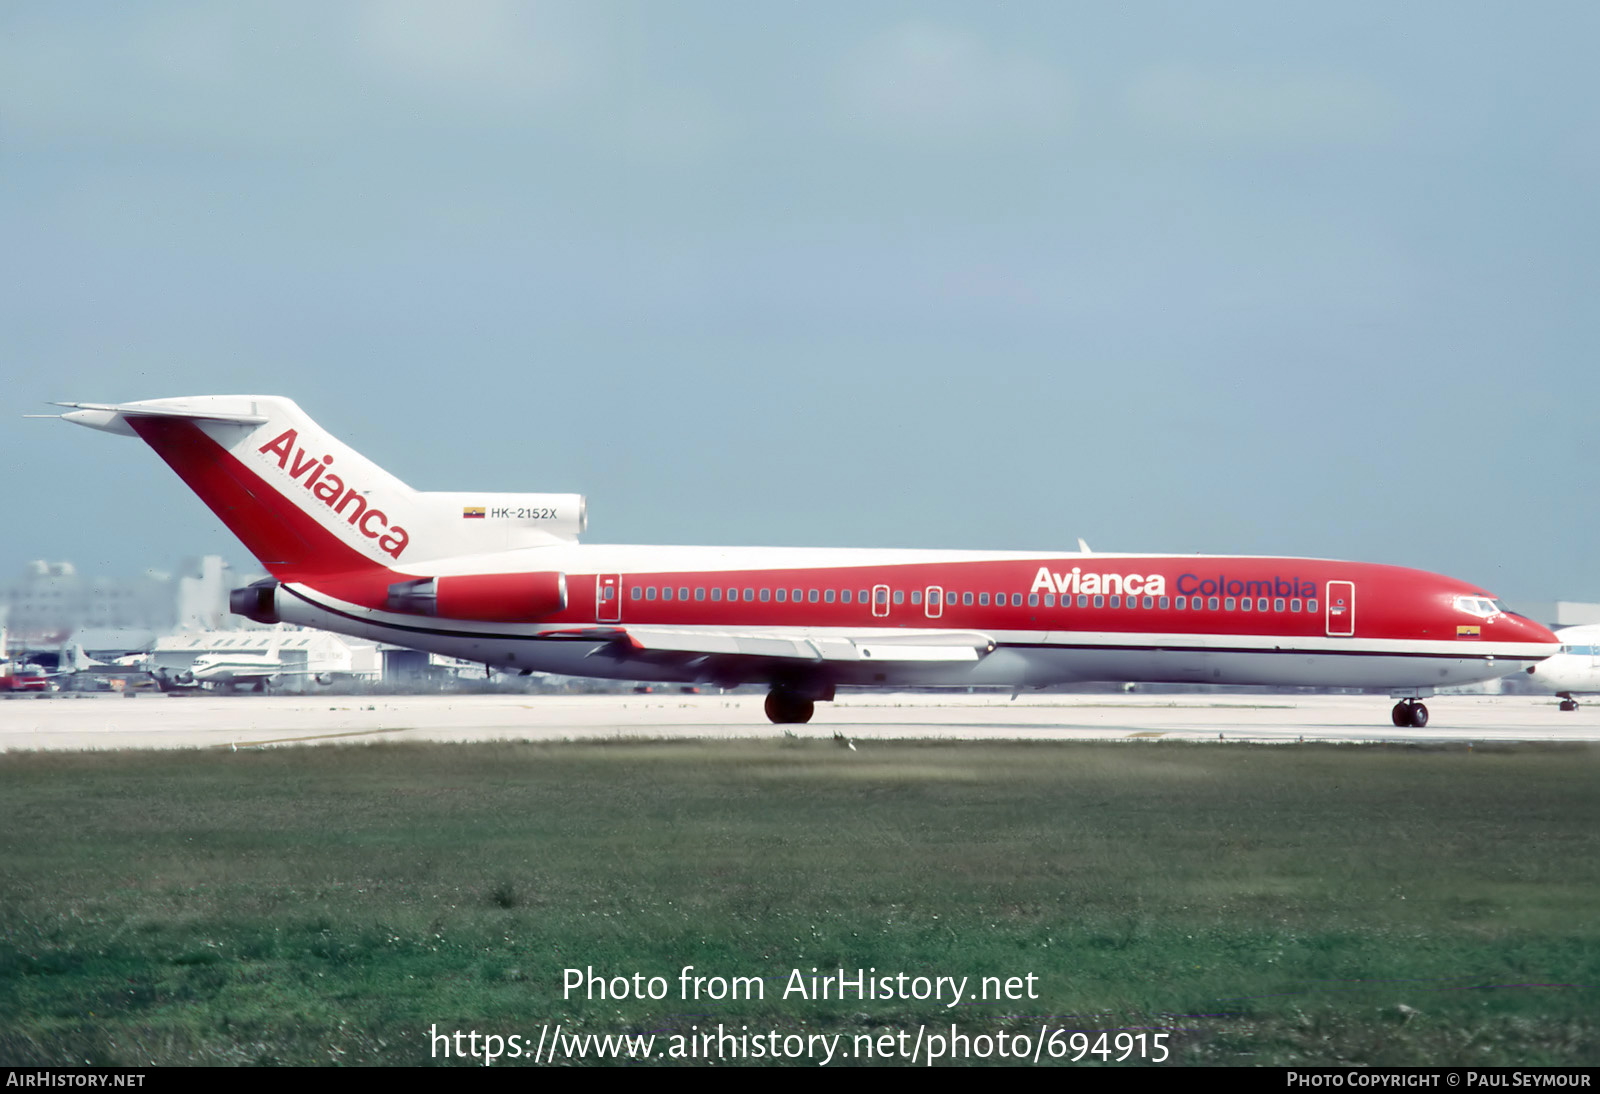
[(307, 505)]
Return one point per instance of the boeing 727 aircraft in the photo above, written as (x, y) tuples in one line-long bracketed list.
[(501, 579)]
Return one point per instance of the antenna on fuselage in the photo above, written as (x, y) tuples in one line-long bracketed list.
[(1084, 547)]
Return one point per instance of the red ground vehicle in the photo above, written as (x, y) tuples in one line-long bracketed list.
[(15, 677)]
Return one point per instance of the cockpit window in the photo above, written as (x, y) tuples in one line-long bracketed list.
[(1480, 606)]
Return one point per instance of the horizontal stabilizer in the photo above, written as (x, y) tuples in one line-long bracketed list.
[(112, 417)]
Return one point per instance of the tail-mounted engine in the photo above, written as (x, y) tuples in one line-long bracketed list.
[(258, 601), (492, 598)]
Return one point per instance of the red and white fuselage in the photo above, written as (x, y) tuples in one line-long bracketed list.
[(501, 579)]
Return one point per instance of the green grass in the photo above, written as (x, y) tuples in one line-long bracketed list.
[(1310, 904)]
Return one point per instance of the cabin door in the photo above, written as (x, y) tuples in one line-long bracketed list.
[(1341, 609), (608, 598)]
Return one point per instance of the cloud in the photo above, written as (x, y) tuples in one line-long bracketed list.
[(1239, 107), (475, 48), (938, 85)]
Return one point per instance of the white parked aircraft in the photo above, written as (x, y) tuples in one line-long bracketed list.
[(1575, 670), (260, 669)]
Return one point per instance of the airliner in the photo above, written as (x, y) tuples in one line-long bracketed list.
[(501, 579), (1573, 671), (260, 668)]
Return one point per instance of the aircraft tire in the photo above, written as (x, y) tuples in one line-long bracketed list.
[(1569, 704), (1419, 716), (1400, 715), (784, 707)]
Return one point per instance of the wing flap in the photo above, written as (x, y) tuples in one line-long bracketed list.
[(912, 646)]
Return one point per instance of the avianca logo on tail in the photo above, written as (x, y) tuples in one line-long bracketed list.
[(331, 490), (1076, 581)]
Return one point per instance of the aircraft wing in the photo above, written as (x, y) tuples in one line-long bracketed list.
[(794, 647)]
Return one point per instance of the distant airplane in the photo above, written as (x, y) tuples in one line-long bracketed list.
[(500, 579), (260, 669), (78, 662), (1575, 670)]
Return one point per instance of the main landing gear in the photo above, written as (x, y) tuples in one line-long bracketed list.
[(786, 706), (1568, 703), (1410, 712)]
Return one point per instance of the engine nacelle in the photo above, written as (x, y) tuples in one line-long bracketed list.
[(490, 598), (258, 601)]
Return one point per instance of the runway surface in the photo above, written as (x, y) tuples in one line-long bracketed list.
[(243, 721)]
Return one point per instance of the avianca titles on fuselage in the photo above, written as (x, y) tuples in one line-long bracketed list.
[(502, 579)]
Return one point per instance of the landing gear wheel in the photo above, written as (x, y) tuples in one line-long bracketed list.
[(787, 707), (1409, 713), (1569, 704)]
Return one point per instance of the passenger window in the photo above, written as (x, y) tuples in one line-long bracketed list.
[(1277, 604), (1100, 602), (966, 599), (1261, 603), (844, 596), (1181, 603), (637, 592), (766, 595), (749, 594), (1311, 605), (827, 595), (1211, 603), (1294, 605), (1227, 605), (1116, 601), (797, 596), (983, 598), (899, 596), (1033, 600), (862, 596), (683, 592), (1016, 600), (666, 593), (1049, 600), (650, 592), (699, 592), (916, 596), (783, 595), (1083, 600), (716, 593), (1244, 605), (1163, 604), (811, 595)]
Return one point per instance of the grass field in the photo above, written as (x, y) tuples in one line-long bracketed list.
[(1286, 904)]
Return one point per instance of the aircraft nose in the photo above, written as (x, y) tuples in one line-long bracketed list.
[(1538, 633)]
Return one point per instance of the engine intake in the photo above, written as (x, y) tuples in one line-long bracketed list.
[(258, 601), (490, 598)]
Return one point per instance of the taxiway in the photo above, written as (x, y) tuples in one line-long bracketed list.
[(159, 721)]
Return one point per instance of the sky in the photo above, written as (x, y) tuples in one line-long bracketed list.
[(1243, 278)]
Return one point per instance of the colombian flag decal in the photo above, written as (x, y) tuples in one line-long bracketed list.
[(1466, 630), (469, 512)]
